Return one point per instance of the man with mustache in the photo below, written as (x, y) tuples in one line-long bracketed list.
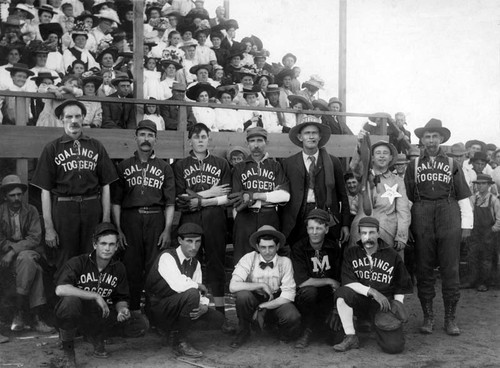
[(143, 200), (259, 185), (22, 252), (74, 173), (374, 281)]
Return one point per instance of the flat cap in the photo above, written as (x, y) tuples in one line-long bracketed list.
[(369, 222), (190, 229)]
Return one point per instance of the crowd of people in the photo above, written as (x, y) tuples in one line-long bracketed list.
[(318, 251)]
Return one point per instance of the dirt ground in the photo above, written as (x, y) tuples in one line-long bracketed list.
[(477, 346)]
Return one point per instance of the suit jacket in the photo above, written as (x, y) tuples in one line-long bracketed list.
[(115, 115), (295, 171), (170, 114)]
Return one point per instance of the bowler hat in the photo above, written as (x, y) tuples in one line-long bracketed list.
[(324, 130), (59, 109), (483, 178), (479, 156), (105, 227), (10, 182), (368, 222), (457, 150), (319, 214), (394, 151), (190, 228), (434, 125), (147, 124), (256, 132), (266, 230)]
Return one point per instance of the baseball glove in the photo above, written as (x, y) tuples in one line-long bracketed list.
[(184, 202), (333, 320), (399, 310), (241, 200), (392, 319)]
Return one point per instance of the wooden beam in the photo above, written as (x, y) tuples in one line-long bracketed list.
[(22, 116), (226, 7), (138, 49)]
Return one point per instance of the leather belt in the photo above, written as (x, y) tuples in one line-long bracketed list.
[(149, 210), (262, 209), (77, 198)]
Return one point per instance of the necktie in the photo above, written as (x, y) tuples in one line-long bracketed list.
[(312, 168), (185, 265), (263, 265)]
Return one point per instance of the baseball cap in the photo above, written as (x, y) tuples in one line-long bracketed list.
[(256, 132), (369, 222), (319, 214), (105, 227), (147, 124)]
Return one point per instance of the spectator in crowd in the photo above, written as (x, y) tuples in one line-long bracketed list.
[(221, 54), (474, 146), (264, 287), (107, 59), (440, 197), (203, 92), (42, 81), (400, 122), (413, 153), (41, 56), (316, 267), (335, 105), (11, 33), (236, 155), (189, 61), (204, 54), (251, 119), (22, 252), (93, 118), (458, 152), (170, 113), (13, 57), (169, 77), (202, 73), (229, 42), (51, 35), (490, 149), (363, 294), (233, 66), (227, 120), (106, 88), (116, 115), (299, 103), (496, 172), (79, 51), (17, 82), (152, 112), (311, 87), (284, 79), (276, 122), (328, 120), (218, 76), (45, 13), (73, 199), (261, 65), (352, 186), (100, 36), (400, 165), (220, 17), (263, 81)]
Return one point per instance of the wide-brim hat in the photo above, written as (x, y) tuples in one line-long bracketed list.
[(109, 14), (257, 42), (230, 89), (20, 67), (167, 62), (245, 71), (251, 91), (334, 100), (394, 151), (269, 77), (59, 109), (11, 182), (285, 72), (322, 104), (490, 147), (176, 86), (306, 104), (266, 230), (84, 15), (324, 131), (457, 150), (154, 6), (230, 23), (235, 52), (50, 28), (272, 88), (402, 159), (102, 2), (43, 75), (289, 55), (206, 31), (194, 91), (314, 81), (195, 68), (110, 50), (46, 8), (483, 178), (26, 8), (241, 149), (434, 125), (121, 77), (473, 142), (189, 43), (479, 156), (386, 115), (95, 79), (186, 27)]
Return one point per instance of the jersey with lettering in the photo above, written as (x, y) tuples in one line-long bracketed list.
[(71, 168), (200, 175), (82, 272), (143, 184), (385, 272), (259, 177), (320, 264)]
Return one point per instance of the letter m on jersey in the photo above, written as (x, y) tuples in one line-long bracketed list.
[(320, 266)]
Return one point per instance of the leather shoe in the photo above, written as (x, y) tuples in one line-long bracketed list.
[(99, 347), (349, 342), (451, 327), (17, 323), (184, 348), (227, 328), (482, 287), (428, 326), (240, 339), (42, 327), (303, 341), (3, 339)]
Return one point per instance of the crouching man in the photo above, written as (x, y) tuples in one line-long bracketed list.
[(178, 301), (94, 294), (374, 281), (264, 287)]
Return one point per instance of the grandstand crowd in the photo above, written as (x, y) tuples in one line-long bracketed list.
[(314, 237)]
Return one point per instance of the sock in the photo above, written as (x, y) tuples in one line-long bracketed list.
[(346, 316)]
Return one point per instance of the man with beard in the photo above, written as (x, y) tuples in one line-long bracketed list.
[(259, 185), (74, 173), (143, 200), (21, 252), (374, 281)]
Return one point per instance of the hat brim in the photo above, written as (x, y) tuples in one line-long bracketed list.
[(296, 98), (394, 151), (59, 109), (483, 181), (97, 81), (193, 92), (322, 105), (115, 81), (177, 66), (258, 234), (8, 187), (324, 131), (444, 132), (14, 69), (312, 84)]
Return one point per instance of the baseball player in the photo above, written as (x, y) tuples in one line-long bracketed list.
[(437, 187), (259, 185), (374, 281), (143, 204), (202, 183), (74, 173)]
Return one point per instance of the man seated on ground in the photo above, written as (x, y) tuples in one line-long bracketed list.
[(178, 301), (374, 281), (21, 252), (264, 287), (94, 294), (316, 265)]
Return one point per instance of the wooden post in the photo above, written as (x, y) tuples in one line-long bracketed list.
[(22, 116), (182, 122), (226, 7), (138, 49), (343, 53)]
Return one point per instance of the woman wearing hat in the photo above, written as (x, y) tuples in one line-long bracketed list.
[(189, 61), (152, 77), (299, 103), (18, 82), (228, 120), (203, 92), (79, 51), (13, 55), (311, 87), (170, 75), (90, 84), (263, 80)]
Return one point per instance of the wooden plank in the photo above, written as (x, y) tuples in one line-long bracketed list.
[(28, 142), (138, 48), (22, 116)]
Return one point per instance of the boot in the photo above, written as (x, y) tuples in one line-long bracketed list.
[(450, 307), (68, 344), (428, 325), (303, 341), (97, 342), (3, 339), (349, 342)]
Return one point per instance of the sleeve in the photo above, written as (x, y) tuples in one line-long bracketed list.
[(121, 292), (107, 116), (170, 122), (97, 120), (167, 267), (118, 186), (299, 263), (46, 171), (226, 172), (402, 279), (180, 184), (495, 204), (467, 217), (287, 281), (71, 272), (348, 275), (32, 235), (281, 179), (237, 185), (402, 212), (410, 181), (462, 190), (169, 186), (105, 169), (243, 268), (341, 192)]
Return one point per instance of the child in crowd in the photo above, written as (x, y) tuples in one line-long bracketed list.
[(152, 112), (106, 87)]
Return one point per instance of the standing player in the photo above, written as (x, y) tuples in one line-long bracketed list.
[(143, 200), (202, 183), (259, 184), (436, 185), (74, 173)]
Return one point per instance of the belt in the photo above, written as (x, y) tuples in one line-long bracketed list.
[(262, 209), (149, 210), (77, 198)]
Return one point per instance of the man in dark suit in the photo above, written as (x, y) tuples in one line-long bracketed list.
[(316, 181), (170, 113), (116, 115)]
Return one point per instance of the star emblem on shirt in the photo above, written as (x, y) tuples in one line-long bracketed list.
[(391, 192)]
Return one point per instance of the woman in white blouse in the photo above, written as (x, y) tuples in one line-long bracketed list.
[(203, 92)]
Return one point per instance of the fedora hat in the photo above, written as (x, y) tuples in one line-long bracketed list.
[(473, 142), (321, 104), (306, 105), (109, 14), (193, 92), (59, 109), (457, 150), (401, 159), (230, 89), (479, 156), (308, 120), (121, 77), (10, 182), (394, 151), (267, 230), (176, 86), (315, 81), (434, 125), (20, 67), (483, 178)]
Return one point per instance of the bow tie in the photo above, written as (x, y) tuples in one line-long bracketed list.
[(263, 265)]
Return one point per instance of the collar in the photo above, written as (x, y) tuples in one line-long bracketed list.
[(381, 245), (92, 257), (181, 255), (326, 244), (66, 138), (152, 157), (274, 260), (305, 156), (192, 155), (439, 154), (14, 213), (250, 158)]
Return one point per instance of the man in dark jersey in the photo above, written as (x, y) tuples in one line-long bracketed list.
[(74, 173)]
